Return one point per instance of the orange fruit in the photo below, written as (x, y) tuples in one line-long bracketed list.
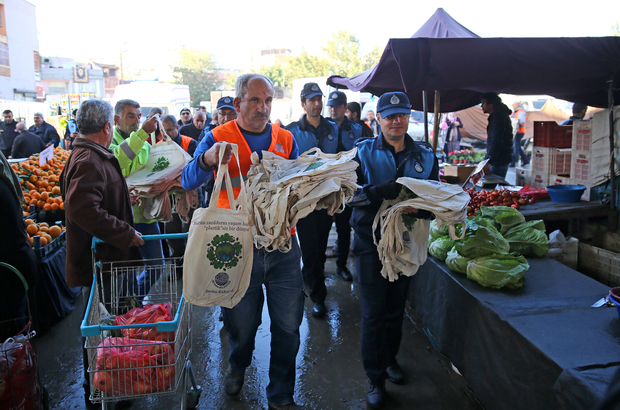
[(44, 196), (29, 221), (36, 195), (31, 241), (33, 178), (33, 202), (47, 207), (55, 206), (49, 200), (58, 200), (32, 229), (56, 190), (44, 229), (40, 204), (55, 231), (62, 206), (47, 237), (44, 224), (43, 240)]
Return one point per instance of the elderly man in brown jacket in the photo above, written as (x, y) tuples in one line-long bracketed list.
[(97, 201)]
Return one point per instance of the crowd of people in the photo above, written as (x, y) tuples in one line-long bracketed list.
[(109, 144)]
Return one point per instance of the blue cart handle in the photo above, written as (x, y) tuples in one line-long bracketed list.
[(148, 238)]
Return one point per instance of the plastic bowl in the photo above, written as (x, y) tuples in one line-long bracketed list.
[(565, 193), (614, 295)]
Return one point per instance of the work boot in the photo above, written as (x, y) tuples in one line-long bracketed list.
[(287, 406), (319, 310), (395, 372), (344, 273), (376, 394), (233, 381)]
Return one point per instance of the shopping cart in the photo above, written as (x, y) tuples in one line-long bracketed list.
[(141, 359), (20, 386)]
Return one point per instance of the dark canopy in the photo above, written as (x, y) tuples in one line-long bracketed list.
[(442, 25), (573, 69)]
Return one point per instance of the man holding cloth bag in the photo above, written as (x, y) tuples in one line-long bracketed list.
[(279, 272)]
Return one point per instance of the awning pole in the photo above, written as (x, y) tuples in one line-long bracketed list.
[(610, 98), (436, 120), (425, 104)]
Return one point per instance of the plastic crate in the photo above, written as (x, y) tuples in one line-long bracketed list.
[(559, 180), (562, 161), (523, 176), (599, 264), (551, 135), (543, 160), (539, 180), (582, 136)]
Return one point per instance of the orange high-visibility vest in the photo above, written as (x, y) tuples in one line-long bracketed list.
[(516, 115), (185, 140), (281, 144)]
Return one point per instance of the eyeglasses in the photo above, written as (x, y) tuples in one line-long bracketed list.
[(185, 113), (232, 114), (398, 115)]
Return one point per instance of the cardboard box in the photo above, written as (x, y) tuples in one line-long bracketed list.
[(459, 171)]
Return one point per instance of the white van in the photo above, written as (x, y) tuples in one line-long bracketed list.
[(171, 98)]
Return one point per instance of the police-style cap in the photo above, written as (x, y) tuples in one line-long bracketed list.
[(185, 109), (337, 98), (225, 102), (311, 90), (393, 103)]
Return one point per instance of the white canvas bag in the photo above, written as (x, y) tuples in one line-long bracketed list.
[(219, 254)]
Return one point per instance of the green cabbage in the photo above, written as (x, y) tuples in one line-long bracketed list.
[(434, 232), (504, 216), (440, 247), (457, 262), (499, 270), (528, 239), (481, 238)]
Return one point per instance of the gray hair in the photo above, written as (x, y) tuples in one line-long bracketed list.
[(93, 115), (39, 114), (118, 108), (155, 110), (21, 126), (241, 85), (169, 117)]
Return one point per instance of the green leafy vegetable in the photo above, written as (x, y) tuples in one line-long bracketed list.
[(528, 239), (505, 216), (457, 262), (434, 232), (481, 238), (440, 247), (498, 270)]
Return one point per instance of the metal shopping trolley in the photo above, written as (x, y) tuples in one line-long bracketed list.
[(20, 385), (138, 359)]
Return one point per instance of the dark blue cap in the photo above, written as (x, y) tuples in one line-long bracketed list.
[(337, 98), (225, 102), (311, 90), (186, 109), (393, 103)]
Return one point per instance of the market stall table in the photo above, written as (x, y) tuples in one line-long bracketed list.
[(539, 347)]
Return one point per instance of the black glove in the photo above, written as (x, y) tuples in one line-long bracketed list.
[(385, 190)]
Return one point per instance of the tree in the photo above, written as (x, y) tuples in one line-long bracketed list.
[(276, 73), (305, 65), (198, 70), (343, 56)]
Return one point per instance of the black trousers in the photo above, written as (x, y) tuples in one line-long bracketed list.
[(343, 227), (383, 309), (313, 232)]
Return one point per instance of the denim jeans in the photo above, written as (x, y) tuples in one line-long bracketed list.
[(518, 150), (281, 275), (153, 254), (383, 309)]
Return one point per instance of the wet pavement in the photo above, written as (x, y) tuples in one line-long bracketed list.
[(329, 368)]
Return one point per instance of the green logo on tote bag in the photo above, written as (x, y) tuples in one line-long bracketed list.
[(224, 251)]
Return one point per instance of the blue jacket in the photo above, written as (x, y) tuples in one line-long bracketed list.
[(306, 139), (348, 134), (378, 164)]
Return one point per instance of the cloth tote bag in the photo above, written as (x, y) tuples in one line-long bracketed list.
[(219, 254)]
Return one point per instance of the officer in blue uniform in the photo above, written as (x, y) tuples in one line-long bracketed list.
[(383, 159), (349, 133), (312, 131)]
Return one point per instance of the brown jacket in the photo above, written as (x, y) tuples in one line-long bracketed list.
[(96, 204)]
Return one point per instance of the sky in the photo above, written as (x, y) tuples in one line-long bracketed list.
[(232, 31)]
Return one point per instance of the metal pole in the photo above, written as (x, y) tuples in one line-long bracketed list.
[(436, 123), (610, 99), (425, 104)]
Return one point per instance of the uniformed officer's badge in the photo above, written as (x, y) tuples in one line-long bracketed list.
[(394, 99), (227, 100), (330, 137), (351, 136), (334, 95), (418, 167), (315, 87)]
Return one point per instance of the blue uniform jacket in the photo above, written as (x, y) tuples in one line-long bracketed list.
[(349, 133), (378, 164), (305, 138)]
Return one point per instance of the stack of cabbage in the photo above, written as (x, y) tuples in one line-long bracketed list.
[(493, 250)]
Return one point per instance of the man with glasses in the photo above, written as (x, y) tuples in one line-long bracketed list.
[(382, 160), (194, 128), (186, 117), (225, 112), (7, 133)]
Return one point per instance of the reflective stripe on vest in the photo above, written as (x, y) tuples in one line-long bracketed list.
[(522, 128), (281, 145)]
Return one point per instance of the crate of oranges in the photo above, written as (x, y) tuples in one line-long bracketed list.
[(40, 184), (44, 238)]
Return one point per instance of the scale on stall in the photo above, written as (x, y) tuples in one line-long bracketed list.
[(479, 178)]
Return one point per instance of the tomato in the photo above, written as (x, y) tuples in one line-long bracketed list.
[(515, 206), (531, 201), (522, 201)]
